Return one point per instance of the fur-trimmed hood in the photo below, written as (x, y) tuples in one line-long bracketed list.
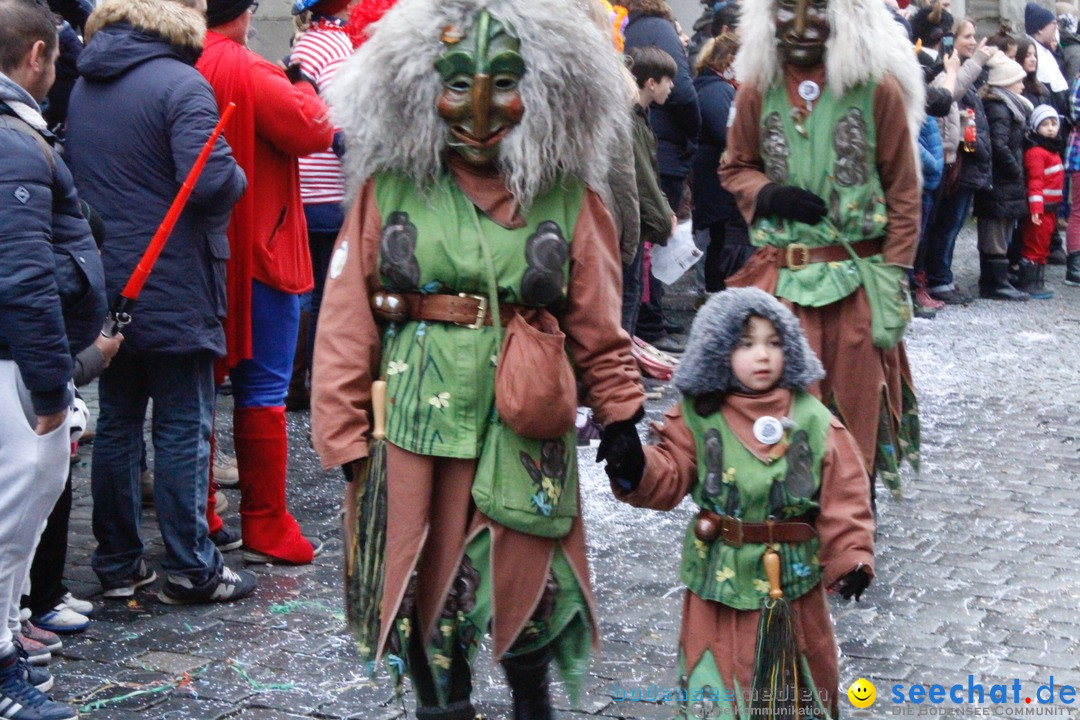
[(384, 97), (178, 24), (865, 44), (717, 329)]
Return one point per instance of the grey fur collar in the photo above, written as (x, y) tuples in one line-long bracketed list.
[(706, 365)]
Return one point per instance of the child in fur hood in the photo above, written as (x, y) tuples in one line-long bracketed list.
[(749, 443)]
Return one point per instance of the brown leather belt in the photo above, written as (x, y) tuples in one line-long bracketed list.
[(797, 256), (734, 532), (464, 309)]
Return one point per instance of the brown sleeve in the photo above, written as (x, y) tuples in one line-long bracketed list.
[(670, 466), (598, 345), (347, 342), (742, 173), (846, 523), (898, 173)]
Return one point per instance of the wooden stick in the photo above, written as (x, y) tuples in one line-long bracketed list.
[(772, 572), (378, 410)]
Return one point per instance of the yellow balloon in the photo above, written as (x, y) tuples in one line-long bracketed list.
[(862, 693)]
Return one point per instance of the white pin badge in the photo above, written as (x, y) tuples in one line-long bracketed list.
[(809, 91), (768, 430)]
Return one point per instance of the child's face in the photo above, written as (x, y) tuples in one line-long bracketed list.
[(659, 90), (1048, 128), (758, 359)]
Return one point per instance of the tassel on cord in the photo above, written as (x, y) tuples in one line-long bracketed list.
[(776, 687)]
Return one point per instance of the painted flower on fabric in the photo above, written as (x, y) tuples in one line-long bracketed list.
[(440, 400), (494, 361), (405, 626), (801, 569), (761, 587), (724, 574), (552, 491), (396, 368), (728, 476), (699, 548), (421, 330), (442, 661), (396, 663)]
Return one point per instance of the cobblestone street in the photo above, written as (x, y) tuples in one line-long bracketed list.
[(977, 565)]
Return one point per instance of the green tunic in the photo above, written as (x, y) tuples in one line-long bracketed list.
[(441, 377), (840, 135)]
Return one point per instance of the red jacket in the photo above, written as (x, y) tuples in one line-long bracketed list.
[(1045, 178), (275, 123)]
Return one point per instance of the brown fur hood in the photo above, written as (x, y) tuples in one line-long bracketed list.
[(649, 8), (176, 23)]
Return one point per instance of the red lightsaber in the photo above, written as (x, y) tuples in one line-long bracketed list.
[(120, 312)]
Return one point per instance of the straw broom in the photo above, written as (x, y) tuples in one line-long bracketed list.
[(365, 535)]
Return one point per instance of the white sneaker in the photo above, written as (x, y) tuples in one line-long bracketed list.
[(61, 619), (226, 473), (83, 607)]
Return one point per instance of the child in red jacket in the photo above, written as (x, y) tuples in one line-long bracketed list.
[(1045, 180)]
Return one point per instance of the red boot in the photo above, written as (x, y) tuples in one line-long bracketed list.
[(212, 518), (271, 534)]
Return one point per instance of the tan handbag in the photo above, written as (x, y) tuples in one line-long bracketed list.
[(535, 390)]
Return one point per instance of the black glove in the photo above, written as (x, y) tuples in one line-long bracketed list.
[(620, 446), (295, 74), (853, 583), (793, 203)]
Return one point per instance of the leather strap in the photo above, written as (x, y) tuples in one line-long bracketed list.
[(468, 310), (796, 256), (736, 533)]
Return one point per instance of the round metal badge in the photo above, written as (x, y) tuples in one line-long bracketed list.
[(768, 430)]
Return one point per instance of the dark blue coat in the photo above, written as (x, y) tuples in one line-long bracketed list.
[(52, 299), (140, 113), (712, 203), (678, 121)]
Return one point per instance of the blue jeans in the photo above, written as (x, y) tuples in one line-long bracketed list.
[(940, 241), (182, 388), (263, 381), (632, 287)]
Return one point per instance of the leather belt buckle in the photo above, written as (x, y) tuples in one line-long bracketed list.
[(789, 256), (389, 307), (731, 531), (481, 311)]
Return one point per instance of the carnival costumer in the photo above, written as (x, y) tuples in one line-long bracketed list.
[(474, 216), (769, 467), (820, 153)]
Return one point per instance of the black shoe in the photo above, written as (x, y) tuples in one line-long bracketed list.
[(226, 586), (126, 588), (1057, 257), (461, 710), (226, 539), (1072, 269), (668, 344), (994, 281), (1031, 281), (953, 296), (527, 676)]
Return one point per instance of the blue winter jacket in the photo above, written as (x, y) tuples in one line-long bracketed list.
[(712, 203), (140, 113), (931, 154), (52, 298), (678, 121)]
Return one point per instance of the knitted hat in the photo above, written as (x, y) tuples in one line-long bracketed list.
[(1036, 17), (1003, 71), (219, 12), (1040, 113)]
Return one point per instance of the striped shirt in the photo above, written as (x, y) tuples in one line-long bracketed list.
[(321, 51)]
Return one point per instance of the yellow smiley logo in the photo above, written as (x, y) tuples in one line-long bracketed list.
[(862, 693)]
